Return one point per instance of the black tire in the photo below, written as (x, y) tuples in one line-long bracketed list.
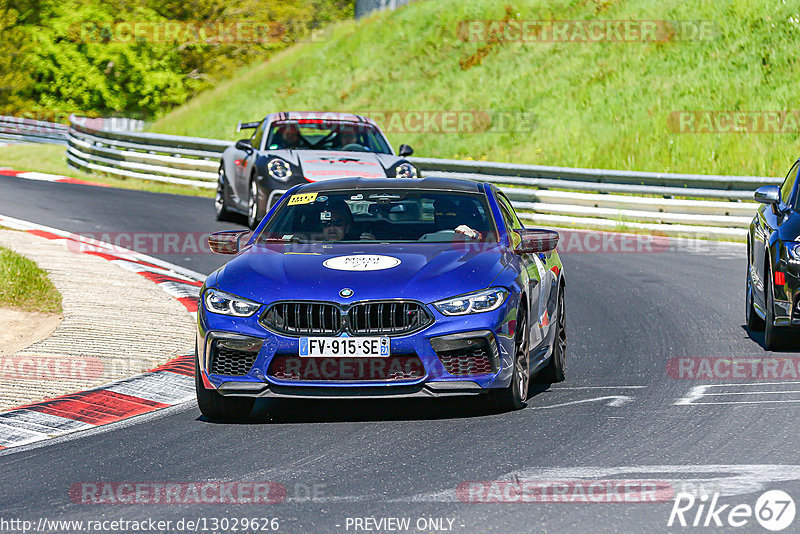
[(217, 407), (221, 198), (754, 322), (514, 396), (554, 370), (255, 207), (775, 337)]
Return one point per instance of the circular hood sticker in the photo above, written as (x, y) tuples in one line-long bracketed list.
[(362, 262)]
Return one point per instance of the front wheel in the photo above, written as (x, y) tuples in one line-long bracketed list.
[(754, 322), (221, 198), (514, 396), (255, 207), (217, 407)]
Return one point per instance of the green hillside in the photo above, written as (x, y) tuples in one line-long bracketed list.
[(596, 104)]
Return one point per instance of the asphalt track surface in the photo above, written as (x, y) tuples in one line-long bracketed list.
[(615, 417)]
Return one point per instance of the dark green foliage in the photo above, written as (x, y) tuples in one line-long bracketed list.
[(59, 56)]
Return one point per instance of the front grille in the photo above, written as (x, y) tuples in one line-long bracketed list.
[(233, 357), (391, 317), (473, 362), (343, 369), (388, 318), (295, 318)]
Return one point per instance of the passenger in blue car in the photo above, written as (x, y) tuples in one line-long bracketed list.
[(461, 219)]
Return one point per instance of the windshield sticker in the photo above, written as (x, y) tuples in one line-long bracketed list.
[(324, 216), (306, 198), (362, 262), (322, 199), (357, 197)]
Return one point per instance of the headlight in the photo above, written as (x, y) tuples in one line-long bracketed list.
[(480, 301), (220, 302), (793, 251), (279, 169), (405, 170)]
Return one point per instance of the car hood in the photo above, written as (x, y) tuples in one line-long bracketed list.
[(427, 272), (318, 165)]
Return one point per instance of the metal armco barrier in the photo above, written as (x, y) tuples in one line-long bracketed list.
[(25, 130), (560, 196)]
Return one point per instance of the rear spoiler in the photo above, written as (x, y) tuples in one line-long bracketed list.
[(247, 126)]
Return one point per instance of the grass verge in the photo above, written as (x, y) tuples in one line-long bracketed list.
[(24, 286), (598, 104)]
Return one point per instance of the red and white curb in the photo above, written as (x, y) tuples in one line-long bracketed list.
[(167, 385), (44, 177)]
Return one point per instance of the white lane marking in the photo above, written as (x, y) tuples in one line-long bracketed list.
[(41, 422), (615, 400), (727, 480), (11, 436), (598, 387), (699, 393), (161, 386)]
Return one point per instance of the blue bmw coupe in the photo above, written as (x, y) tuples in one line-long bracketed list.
[(381, 288)]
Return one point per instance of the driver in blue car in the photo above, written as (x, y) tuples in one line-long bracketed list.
[(337, 220)]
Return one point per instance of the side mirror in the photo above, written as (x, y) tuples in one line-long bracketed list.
[(768, 194), (244, 144), (536, 241), (227, 241), (405, 150)]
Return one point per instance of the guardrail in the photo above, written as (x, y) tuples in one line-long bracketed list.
[(32, 131), (712, 206), (26, 130)]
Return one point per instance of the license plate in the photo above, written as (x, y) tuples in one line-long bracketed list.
[(356, 347)]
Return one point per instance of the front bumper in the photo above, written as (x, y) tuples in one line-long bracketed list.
[(445, 335)]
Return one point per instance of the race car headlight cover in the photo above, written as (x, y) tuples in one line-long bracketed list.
[(279, 169), (217, 301), (405, 170), (480, 301)]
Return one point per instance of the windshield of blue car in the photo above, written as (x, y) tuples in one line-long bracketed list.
[(323, 134), (381, 216)]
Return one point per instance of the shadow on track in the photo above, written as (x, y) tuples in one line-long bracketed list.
[(758, 337), (289, 411)]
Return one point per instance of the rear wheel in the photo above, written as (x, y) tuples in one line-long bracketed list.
[(554, 370), (255, 210), (221, 198), (754, 321), (514, 396), (217, 407), (775, 337)]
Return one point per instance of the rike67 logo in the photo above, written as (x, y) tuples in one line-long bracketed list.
[(774, 510)]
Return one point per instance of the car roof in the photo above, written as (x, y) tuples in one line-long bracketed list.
[(319, 115), (425, 184)]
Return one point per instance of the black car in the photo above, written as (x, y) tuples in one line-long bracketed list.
[(773, 263), (292, 148)]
